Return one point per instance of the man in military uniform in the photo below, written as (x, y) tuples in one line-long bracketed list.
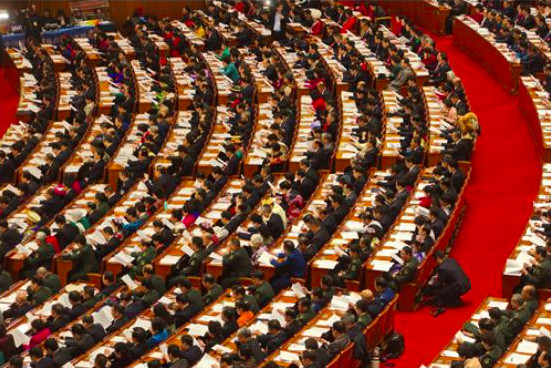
[(235, 264), (352, 266), (38, 293), (41, 257), (362, 309), (214, 290), (189, 266), (50, 279), (239, 293), (83, 260), (141, 258), (154, 284), (538, 274), (492, 351), (261, 288), (485, 325), (409, 269), (519, 313), (530, 298), (305, 311)]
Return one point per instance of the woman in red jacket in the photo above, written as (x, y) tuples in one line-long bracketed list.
[(40, 333)]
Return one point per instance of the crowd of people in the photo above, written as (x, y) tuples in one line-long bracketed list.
[(269, 207)]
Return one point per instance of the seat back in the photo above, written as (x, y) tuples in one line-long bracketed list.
[(346, 358), (95, 278)]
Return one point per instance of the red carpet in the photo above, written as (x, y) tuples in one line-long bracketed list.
[(505, 179), (9, 98)]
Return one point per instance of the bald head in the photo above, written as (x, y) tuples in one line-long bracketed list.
[(41, 272)]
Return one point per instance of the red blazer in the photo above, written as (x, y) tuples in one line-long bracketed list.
[(37, 338)]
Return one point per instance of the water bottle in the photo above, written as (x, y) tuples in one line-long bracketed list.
[(376, 359)]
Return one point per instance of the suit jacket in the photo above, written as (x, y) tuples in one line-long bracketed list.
[(192, 355), (78, 347), (275, 224), (97, 332), (337, 345), (116, 325)]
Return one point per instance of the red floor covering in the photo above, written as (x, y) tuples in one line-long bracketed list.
[(505, 179), (9, 99)]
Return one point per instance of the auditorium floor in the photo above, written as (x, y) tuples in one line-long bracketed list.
[(505, 179)]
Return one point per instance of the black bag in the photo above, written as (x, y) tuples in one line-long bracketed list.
[(393, 347)]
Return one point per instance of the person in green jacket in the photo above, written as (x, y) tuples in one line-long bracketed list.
[(83, 259), (141, 258), (41, 257), (261, 288), (230, 70), (236, 264), (38, 293), (492, 351), (409, 269), (50, 279), (152, 281), (305, 311), (239, 293), (214, 290), (539, 274)]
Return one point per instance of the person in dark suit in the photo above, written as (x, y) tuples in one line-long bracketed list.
[(288, 264), (60, 356), (9, 238), (119, 319), (275, 337), (214, 41), (306, 186), (96, 330), (273, 221), (67, 232), (81, 341), (410, 175), (246, 338), (59, 317), (340, 341), (38, 360), (448, 285), (400, 198), (219, 179), (459, 7), (190, 352), (318, 234), (277, 22)]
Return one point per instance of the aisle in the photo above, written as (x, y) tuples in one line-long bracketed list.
[(505, 180), (9, 99)]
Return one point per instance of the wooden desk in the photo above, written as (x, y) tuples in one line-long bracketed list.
[(529, 239), (495, 57), (426, 14), (534, 102)]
